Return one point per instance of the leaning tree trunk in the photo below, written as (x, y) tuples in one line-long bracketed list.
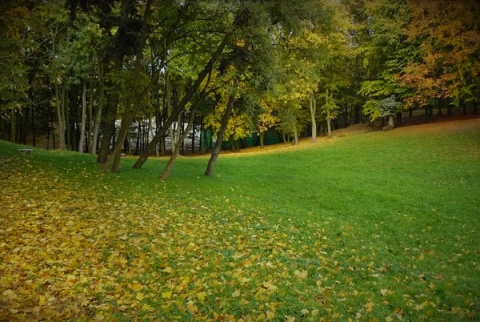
[(221, 133), (180, 107), (176, 152)]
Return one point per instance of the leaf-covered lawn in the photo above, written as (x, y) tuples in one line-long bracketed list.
[(75, 248)]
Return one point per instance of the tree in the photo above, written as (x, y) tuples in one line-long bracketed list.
[(330, 110), (447, 35), (14, 54), (388, 107), (385, 52), (266, 120)]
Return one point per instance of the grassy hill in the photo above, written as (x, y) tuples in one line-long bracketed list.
[(381, 226)]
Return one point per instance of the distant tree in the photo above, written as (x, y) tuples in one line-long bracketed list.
[(266, 120), (388, 107), (385, 52), (330, 109), (447, 34)]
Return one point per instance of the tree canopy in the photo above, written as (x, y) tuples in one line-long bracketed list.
[(101, 76)]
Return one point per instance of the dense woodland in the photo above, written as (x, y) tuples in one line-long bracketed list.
[(121, 76)]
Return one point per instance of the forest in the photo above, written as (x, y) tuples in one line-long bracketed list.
[(142, 77)]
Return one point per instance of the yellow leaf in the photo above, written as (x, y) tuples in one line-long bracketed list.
[(192, 307), (270, 315), (201, 296), (369, 306), (9, 294), (236, 293), (140, 296), (167, 295), (136, 286), (304, 312), (167, 270), (269, 286), (146, 307), (289, 318), (388, 319), (301, 274), (42, 300)]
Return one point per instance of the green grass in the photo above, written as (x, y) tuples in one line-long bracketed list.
[(381, 226)]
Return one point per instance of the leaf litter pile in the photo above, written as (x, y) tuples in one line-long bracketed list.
[(73, 251)]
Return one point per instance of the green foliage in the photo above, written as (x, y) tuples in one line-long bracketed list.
[(389, 106), (330, 108)]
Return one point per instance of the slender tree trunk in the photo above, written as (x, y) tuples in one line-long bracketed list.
[(59, 104), (60, 117), (98, 116), (390, 120), (176, 152), (313, 112), (34, 143), (187, 97), (69, 140), (329, 116), (168, 105), (108, 131), (114, 157), (131, 109), (84, 116), (295, 133), (90, 121), (13, 125), (133, 98), (221, 133)]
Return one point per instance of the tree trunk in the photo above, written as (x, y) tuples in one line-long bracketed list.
[(262, 138), (90, 121), (221, 133), (108, 132), (176, 152), (234, 143), (98, 116), (187, 97), (313, 111), (329, 116), (84, 116), (33, 126), (13, 126), (390, 120), (60, 117), (295, 133)]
